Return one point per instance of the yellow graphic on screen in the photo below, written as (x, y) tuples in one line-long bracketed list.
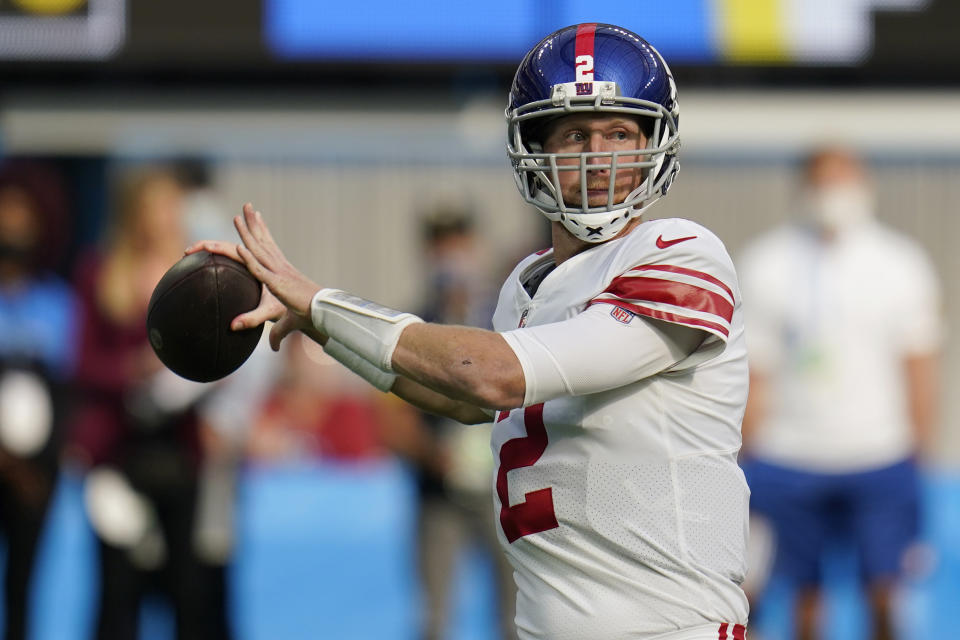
[(49, 7), (752, 30)]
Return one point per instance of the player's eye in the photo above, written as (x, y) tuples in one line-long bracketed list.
[(620, 136), (576, 136)]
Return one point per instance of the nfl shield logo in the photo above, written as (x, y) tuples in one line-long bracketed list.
[(621, 315)]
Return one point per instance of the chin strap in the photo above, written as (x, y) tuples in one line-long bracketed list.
[(596, 226)]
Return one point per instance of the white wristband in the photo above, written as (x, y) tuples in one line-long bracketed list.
[(379, 378), (369, 330)]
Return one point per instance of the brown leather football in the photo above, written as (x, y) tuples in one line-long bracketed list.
[(188, 319)]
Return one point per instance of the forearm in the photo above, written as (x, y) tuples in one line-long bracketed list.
[(407, 389), (469, 365), (923, 392), (436, 403), (755, 409)]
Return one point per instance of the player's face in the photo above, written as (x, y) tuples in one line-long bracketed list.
[(580, 133), (837, 195), (835, 167)]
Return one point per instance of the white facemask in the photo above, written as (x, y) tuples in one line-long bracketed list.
[(840, 207)]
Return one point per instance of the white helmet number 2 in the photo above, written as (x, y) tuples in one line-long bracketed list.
[(584, 68)]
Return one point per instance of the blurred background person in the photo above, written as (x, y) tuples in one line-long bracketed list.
[(844, 331), (136, 426), (318, 411), (37, 352), (456, 494)]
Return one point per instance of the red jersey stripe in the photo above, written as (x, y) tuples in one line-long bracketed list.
[(687, 272), (739, 632), (678, 294), (722, 632), (583, 45), (663, 315)]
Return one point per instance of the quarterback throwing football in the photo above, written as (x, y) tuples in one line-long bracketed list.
[(616, 375)]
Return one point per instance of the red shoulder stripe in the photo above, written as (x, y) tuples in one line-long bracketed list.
[(678, 294), (684, 271), (663, 315)]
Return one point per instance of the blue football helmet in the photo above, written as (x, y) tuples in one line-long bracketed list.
[(592, 68)]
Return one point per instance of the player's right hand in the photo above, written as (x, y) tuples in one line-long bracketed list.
[(286, 291), (266, 261), (269, 308)]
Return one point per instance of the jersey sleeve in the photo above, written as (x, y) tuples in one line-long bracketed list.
[(596, 351), (691, 283)]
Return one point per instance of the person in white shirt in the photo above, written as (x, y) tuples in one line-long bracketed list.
[(844, 324), (616, 372)]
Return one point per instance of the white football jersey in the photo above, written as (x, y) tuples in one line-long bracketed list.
[(624, 512)]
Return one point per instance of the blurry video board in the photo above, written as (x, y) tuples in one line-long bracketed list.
[(306, 41), (834, 32), (61, 29)]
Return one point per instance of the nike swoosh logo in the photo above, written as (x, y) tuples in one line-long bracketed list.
[(663, 244)]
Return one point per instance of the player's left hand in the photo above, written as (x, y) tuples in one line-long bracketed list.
[(287, 292)]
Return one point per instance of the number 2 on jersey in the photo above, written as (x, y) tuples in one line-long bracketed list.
[(535, 513)]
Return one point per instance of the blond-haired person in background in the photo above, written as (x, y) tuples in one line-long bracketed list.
[(137, 428)]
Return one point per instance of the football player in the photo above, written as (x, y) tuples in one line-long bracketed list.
[(616, 374)]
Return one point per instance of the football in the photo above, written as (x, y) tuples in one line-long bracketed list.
[(188, 318)]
